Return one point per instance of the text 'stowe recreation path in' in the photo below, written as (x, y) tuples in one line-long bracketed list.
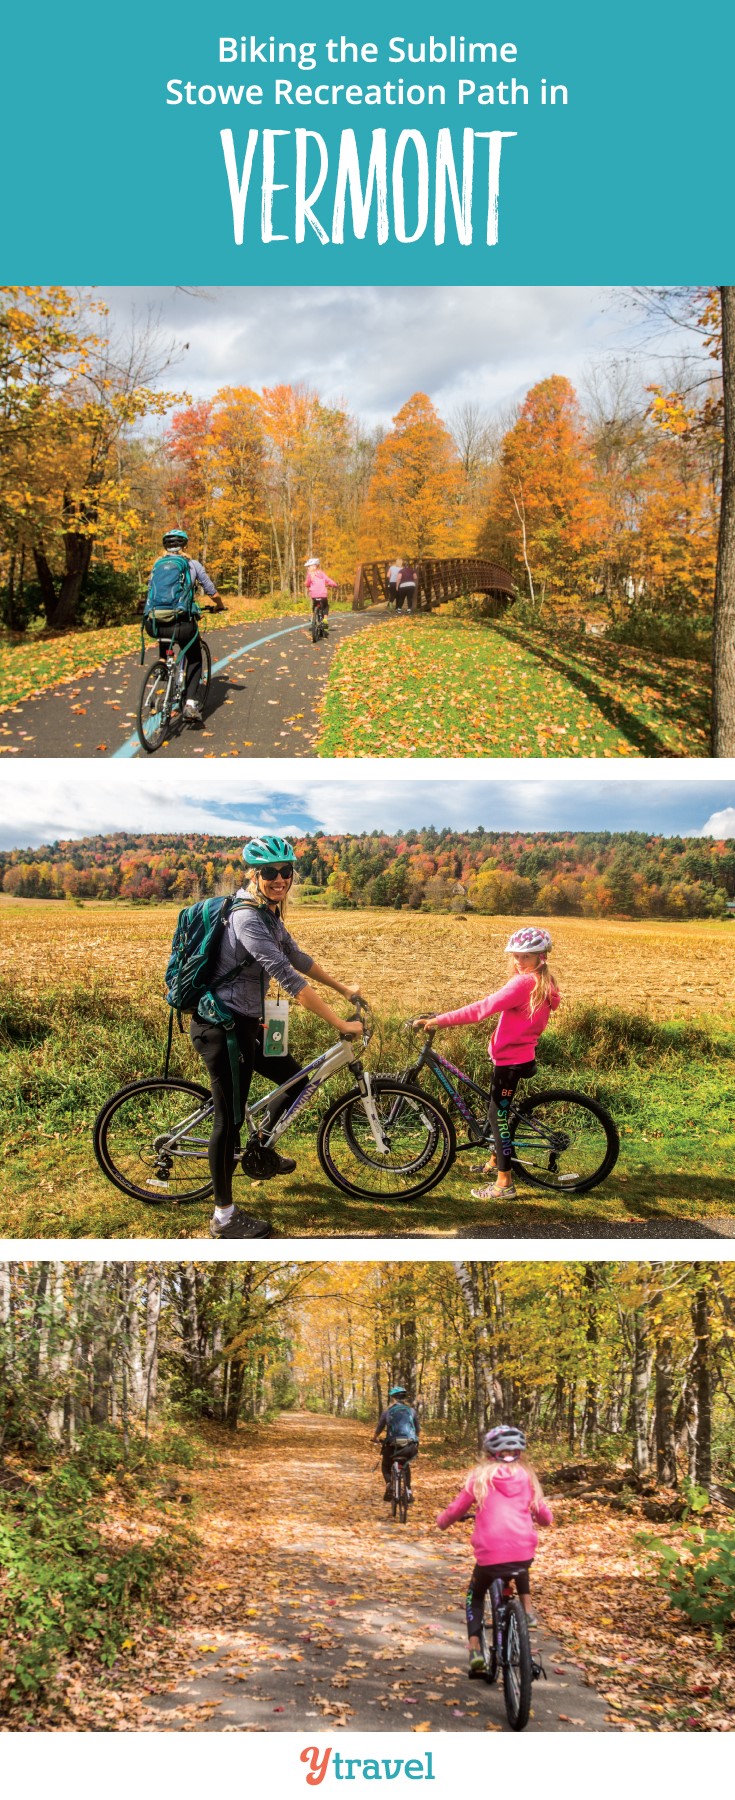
[(267, 681)]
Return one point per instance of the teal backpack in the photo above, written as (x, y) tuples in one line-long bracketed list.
[(400, 1425), (190, 988), (171, 595)]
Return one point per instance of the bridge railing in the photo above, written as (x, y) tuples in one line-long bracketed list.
[(439, 579)]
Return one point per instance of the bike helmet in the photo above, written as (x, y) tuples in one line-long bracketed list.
[(529, 941), (312, 562), (175, 539), (396, 1393), (504, 1440), (267, 850)]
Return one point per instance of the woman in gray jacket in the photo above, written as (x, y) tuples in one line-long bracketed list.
[(256, 949)]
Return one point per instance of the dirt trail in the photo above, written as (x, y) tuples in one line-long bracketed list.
[(312, 1609)]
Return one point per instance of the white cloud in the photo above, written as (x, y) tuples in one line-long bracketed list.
[(374, 347), (719, 824)]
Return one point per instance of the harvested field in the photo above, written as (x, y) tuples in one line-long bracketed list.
[(406, 961)]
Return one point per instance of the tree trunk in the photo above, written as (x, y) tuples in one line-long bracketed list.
[(60, 609), (723, 624), (642, 1367), (665, 1433), (153, 1292), (703, 1377)]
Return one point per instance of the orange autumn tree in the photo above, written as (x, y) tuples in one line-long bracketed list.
[(543, 507), (237, 472), (414, 503), (188, 489)]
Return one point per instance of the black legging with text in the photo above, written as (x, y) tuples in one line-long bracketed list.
[(482, 1577), (504, 1084), (211, 1042)]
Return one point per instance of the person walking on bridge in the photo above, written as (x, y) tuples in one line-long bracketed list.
[(318, 584), (406, 589)]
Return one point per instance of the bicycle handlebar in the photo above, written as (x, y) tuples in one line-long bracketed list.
[(361, 1006), (414, 1025)]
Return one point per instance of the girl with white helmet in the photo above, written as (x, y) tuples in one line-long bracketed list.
[(524, 1005), (317, 584), (508, 1500)]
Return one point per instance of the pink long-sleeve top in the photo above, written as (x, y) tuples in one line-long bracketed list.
[(504, 1522), (518, 1029), (318, 584)]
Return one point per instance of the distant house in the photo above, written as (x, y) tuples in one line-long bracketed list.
[(730, 909)]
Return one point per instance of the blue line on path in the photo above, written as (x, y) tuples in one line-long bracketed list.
[(132, 745)]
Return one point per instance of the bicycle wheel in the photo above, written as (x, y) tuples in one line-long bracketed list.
[(393, 1492), (205, 677), (151, 1141), (403, 1499), (517, 1668), (154, 707), (316, 624), (362, 1143), (351, 1158), (564, 1141)]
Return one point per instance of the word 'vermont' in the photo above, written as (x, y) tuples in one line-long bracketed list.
[(415, 188)]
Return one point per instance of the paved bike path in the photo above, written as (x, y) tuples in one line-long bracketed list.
[(267, 681), (315, 1609)]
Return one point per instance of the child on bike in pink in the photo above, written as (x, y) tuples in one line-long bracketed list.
[(525, 1006), (509, 1503), (317, 585)]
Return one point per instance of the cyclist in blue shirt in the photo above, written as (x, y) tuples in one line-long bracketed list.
[(400, 1422), (186, 631)]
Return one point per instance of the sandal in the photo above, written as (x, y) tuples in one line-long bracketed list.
[(493, 1192)]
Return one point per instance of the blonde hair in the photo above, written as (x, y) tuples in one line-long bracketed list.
[(544, 985), (251, 884), (484, 1476)]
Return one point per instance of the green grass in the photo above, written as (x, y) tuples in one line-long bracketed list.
[(450, 685), (670, 1087)]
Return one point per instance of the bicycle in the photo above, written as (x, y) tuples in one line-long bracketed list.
[(317, 621), (380, 1139), (399, 1489), (163, 693), (505, 1644), (560, 1139)]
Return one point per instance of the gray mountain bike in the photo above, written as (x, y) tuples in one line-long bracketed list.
[(382, 1139)]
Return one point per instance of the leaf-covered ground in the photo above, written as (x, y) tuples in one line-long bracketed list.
[(34, 662), (431, 686), (308, 1607)]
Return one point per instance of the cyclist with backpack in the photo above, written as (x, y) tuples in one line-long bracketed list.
[(171, 610), (524, 1006), (227, 1027), (508, 1501), (400, 1422)]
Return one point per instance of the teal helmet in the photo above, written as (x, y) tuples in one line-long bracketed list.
[(175, 539), (267, 850), (396, 1393)]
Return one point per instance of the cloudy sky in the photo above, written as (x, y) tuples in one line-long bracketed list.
[(373, 347), (40, 804)]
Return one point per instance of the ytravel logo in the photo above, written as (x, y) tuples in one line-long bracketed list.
[(321, 1762)]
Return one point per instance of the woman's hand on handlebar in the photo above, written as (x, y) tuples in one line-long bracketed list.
[(352, 1028)]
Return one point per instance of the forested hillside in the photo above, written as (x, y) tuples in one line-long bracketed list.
[(590, 874)]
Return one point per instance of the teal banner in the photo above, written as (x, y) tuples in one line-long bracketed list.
[(441, 144)]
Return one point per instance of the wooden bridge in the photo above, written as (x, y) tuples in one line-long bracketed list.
[(445, 578)]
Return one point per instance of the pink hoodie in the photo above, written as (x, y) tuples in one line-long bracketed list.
[(317, 584), (504, 1529), (518, 1030)]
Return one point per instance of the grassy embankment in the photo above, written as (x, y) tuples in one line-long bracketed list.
[(451, 685), (73, 1031)]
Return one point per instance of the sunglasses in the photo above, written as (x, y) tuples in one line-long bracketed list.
[(272, 871)]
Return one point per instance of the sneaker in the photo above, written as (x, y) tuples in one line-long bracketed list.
[(193, 713), (486, 1168), (241, 1225), (409, 1496), (325, 626), (531, 1618), (263, 1164), (476, 1665), (493, 1192)]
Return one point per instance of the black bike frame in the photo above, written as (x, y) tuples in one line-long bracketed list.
[(442, 1069)]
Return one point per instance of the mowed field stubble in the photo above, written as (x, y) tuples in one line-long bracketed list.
[(647, 1025)]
